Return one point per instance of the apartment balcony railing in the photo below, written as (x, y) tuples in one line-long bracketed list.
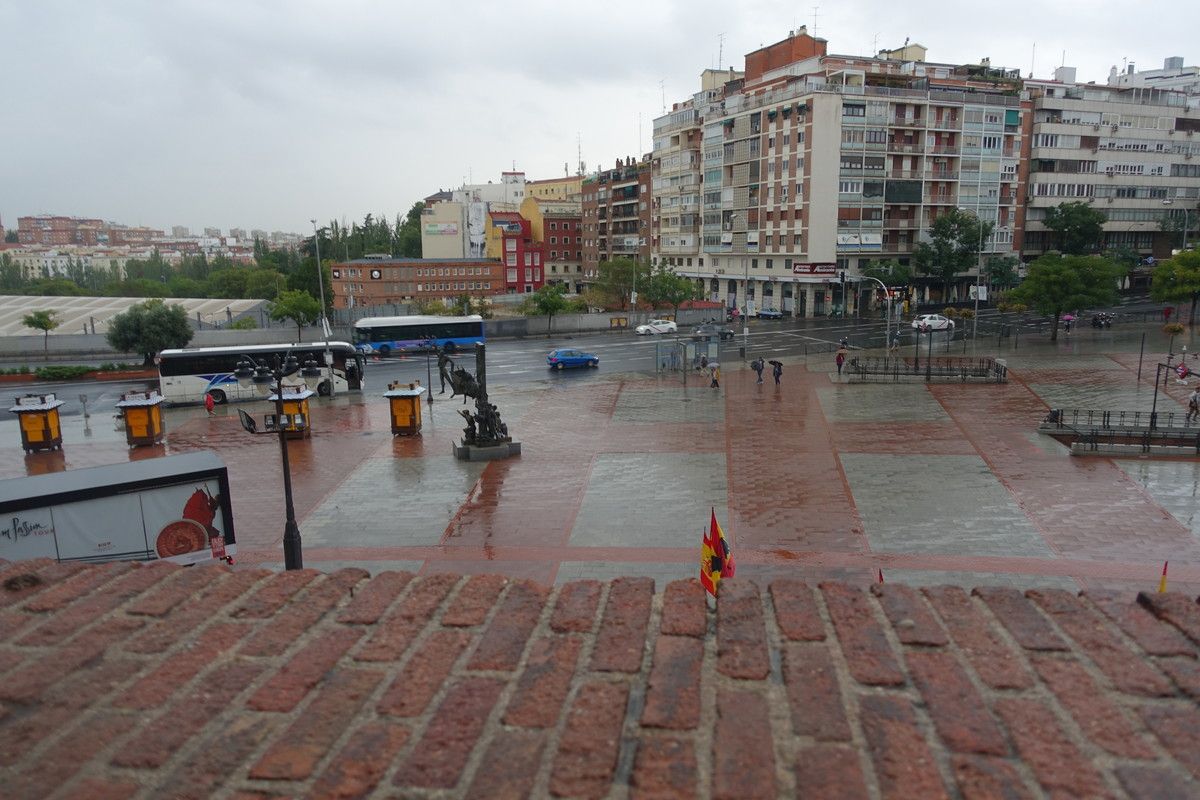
[(899, 247), (945, 124), (908, 122), (899, 224), (1007, 199), (898, 147), (856, 224), (905, 173), (941, 174), (948, 149), (940, 198)]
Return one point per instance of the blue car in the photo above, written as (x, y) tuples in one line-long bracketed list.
[(566, 357)]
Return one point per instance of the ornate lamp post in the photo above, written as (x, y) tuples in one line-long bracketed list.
[(270, 379)]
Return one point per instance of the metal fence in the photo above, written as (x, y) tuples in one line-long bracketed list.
[(897, 369), (1097, 440), (1086, 419)]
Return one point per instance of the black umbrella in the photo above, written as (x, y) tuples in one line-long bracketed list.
[(775, 363)]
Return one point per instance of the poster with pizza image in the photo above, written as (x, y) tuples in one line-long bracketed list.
[(184, 523)]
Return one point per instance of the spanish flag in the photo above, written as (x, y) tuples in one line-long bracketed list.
[(716, 559)]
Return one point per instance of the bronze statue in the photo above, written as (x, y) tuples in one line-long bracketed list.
[(445, 368), (469, 435)]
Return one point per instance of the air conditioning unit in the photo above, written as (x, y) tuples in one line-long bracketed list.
[(1096, 127), (1116, 127)]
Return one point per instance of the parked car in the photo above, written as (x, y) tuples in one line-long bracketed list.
[(656, 326), (933, 322), (770, 313), (710, 330), (566, 357)]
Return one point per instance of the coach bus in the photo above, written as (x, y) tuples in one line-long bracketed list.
[(185, 376), (387, 335)]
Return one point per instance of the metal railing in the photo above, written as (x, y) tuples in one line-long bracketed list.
[(1084, 419), (1097, 440), (895, 368)]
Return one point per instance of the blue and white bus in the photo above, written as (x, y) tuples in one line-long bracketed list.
[(387, 335), (185, 376)]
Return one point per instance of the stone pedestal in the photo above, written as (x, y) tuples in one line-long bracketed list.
[(490, 452)]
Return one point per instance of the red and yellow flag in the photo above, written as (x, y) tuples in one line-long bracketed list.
[(716, 559)]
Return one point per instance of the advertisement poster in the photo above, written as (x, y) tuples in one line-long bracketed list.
[(182, 522), (27, 534), (103, 529)]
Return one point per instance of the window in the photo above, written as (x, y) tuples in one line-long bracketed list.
[(510, 260), (512, 276), (553, 255), (553, 240), (510, 245)]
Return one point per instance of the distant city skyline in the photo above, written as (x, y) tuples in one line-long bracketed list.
[(269, 115)]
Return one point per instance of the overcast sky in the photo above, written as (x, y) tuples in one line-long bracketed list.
[(266, 113)]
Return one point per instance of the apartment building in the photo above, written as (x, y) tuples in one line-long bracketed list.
[(1173, 75), (557, 226), (617, 214), (52, 230), (565, 188), (367, 282), (769, 184), (1132, 153), (510, 241)]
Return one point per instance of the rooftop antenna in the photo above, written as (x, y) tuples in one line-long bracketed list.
[(875, 46), (815, 15), (1033, 61), (1064, 61), (662, 84), (720, 51)]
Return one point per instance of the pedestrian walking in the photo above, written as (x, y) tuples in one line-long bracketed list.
[(895, 345), (209, 404), (1193, 405), (757, 365), (840, 359), (715, 383), (777, 370)]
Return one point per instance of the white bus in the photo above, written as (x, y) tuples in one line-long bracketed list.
[(184, 376), (387, 335)]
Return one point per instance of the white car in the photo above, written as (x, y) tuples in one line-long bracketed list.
[(933, 322), (656, 326)]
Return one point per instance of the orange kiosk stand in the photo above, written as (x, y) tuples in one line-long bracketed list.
[(143, 417), (405, 408), (40, 427), (295, 412)]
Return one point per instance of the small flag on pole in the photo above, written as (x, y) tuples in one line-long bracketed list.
[(716, 559), (1162, 582)]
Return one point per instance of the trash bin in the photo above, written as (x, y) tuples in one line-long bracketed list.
[(40, 426), (142, 412), (405, 408)]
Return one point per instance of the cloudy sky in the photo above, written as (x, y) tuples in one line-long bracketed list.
[(266, 113)]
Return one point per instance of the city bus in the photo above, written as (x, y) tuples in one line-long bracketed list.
[(184, 376), (387, 335)]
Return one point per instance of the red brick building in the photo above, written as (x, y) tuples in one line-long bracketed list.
[(375, 281), (523, 258), (58, 230), (616, 214)]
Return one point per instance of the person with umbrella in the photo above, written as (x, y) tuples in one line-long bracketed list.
[(840, 358), (776, 370), (1067, 320), (757, 365)]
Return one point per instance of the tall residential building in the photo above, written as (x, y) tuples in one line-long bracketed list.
[(180, 231), (1173, 75), (237, 233), (367, 282), (617, 214), (557, 226), (59, 230), (565, 188), (510, 240), (1132, 153), (444, 230)]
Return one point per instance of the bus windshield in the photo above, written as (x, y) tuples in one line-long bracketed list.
[(186, 375), (384, 335)]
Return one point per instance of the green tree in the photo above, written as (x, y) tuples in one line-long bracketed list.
[(53, 287), (1178, 279), (955, 242), (142, 287), (617, 279), (1077, 227), (298, 306), (1057, 284), (1002, 271), (304, 279), (264, 284), (666, 288), (149, 327), (10, 236), (183, 286), (228, 283), (44, 321), (12, 277), (549, 300), (408, 233), (890, 271)]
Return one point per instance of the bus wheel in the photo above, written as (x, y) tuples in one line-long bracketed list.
[(385, 351), (450, 347), (323, 389), (218, 396)]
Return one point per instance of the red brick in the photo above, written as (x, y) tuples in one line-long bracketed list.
[(359, 766), (814, 694), (987, 778), (221, 754), (903, 763), (13, 622), (1177, 609), (504, 641), (575, 610), (59, 763), (621, 640), (1153, 782), (509, 766), (292, 682), (439, 757), (743, 765), (665, 768), (1142, 626), (37, 576), (372, 600), (545, 683), (295, 754), (474, 600), (1101, 720), (673, 693), (912, 620), (299, 617), (62, 593), (1128, 671), (741, 631), (199, 610), (864, 643), (101, 789), (424, 674), (829, 770), (1179, 731), (1056, 763), (958, 711), (275, 593), (685, 609), (586, 759), (156, 687), (1185, 672), (997, 664), (796, 610), (183, 585), (157, 741), (27, 683), (391, 637), (1018, 615)]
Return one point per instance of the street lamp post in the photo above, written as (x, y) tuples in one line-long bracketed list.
[(1186, 211), (887, 337), (270, 378), (321, 289)]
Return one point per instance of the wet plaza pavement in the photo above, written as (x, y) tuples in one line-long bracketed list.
[(817, 478)]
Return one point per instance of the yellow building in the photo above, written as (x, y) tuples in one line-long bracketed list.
[(566, 188)]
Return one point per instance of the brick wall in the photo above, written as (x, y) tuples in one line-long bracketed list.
[(130, 680)]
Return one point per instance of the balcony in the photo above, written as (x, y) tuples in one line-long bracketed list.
[(901, 147), (907, 174), (946, 149), (899, 224), (899, 247), (946, 124), (941, 175), (907, 122), (1007, 199), (940, 198)]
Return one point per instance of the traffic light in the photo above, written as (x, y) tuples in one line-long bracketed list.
[(842, 277)]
